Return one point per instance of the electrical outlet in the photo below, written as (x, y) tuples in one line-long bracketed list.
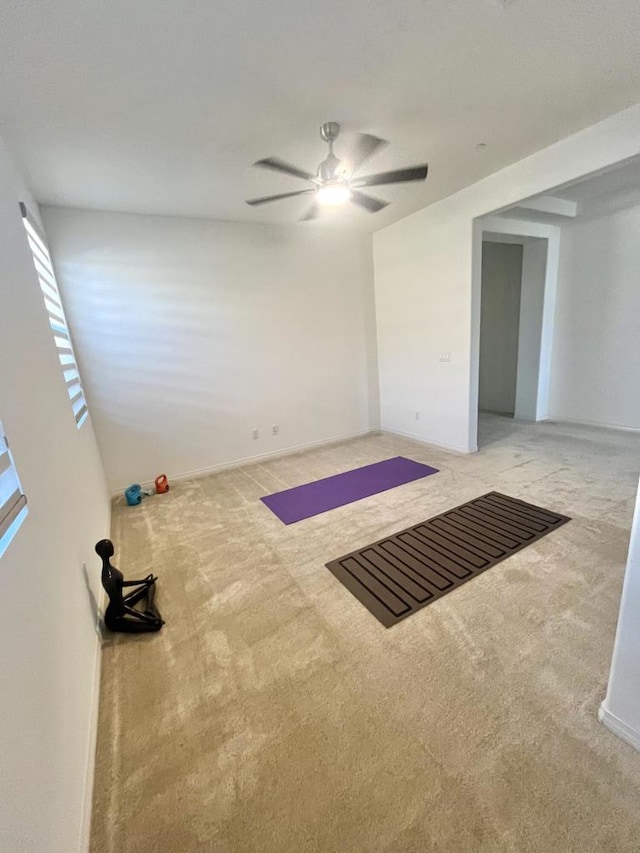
[(275, 430), (417, 416), (256, 433), (445, 356)]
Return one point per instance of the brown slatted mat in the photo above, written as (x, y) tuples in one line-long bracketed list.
[(403, 573)]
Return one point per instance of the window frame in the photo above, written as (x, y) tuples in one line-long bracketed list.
[(43, 265), (13, 510)]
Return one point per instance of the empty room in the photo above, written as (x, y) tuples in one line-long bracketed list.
[(320, 427)]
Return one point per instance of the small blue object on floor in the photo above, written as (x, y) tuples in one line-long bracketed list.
[(135, 493), (314, 498)]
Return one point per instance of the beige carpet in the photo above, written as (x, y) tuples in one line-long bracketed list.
[(274, 713)]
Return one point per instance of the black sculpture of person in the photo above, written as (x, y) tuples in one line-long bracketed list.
[(121, 614)]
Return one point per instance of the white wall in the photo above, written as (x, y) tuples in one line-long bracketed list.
[(595, 375), (620, 710), (427, 284), (499, 326), (191, 333), (48, 643)]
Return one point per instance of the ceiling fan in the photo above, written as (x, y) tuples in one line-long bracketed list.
[(334, 183)]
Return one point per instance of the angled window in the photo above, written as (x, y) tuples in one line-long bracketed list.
[(57, 319), (13, 503)]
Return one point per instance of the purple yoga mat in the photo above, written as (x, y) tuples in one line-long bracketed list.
[(313, 498)]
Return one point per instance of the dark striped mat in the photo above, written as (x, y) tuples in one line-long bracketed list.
[(403, 573)]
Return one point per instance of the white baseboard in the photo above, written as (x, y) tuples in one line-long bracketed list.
[(252, 460), (600, 424), (91, 747), (92, 740), (453, 448), (618, 727)]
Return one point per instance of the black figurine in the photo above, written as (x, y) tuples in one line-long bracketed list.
[(121, 615)]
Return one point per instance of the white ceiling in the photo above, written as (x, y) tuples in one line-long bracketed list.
[(160, 106)]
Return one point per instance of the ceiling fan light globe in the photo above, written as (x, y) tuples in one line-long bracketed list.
[(334, 194)]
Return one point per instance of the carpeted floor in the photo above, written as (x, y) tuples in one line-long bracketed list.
[(274, 714)]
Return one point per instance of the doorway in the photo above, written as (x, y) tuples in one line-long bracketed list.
[(516, 284), (501, 286)]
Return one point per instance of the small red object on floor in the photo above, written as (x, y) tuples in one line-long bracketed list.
[(162, 484)]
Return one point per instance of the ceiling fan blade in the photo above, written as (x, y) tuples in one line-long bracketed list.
[(267, 198), (277, 165), (312, 213), (399, 176), (366, 146), (367, 201)]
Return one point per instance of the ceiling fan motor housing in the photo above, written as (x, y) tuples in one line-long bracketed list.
[(328, 170)]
